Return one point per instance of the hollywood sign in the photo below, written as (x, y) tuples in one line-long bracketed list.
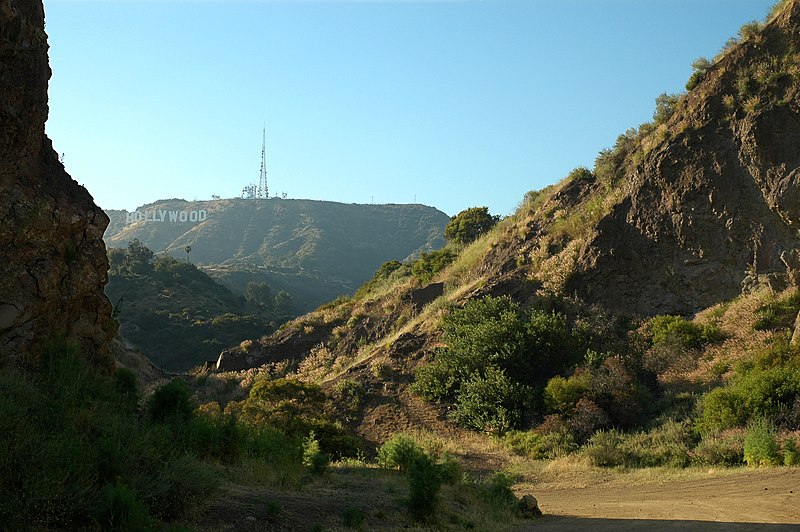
[(163, 215)]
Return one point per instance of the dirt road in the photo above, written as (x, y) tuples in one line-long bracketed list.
[(766, 499)]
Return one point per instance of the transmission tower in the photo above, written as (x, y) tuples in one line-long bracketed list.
[(263, 190)]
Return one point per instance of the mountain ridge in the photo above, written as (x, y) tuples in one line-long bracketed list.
[(316, 250)]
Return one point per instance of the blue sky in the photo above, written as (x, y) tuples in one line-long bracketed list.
[(452, 104)]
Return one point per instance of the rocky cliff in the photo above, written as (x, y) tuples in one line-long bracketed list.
[(689, 210), (54, 264)]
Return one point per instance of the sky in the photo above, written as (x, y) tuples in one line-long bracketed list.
[(448, 103)]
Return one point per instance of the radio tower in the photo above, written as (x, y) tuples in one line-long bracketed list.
[(263, 190)]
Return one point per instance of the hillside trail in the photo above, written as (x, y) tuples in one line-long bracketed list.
[(749, 500)]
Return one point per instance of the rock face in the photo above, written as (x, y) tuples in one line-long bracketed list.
[(709, 200), (54, 264)]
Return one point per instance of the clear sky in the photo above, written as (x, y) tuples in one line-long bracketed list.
[(450, 103)]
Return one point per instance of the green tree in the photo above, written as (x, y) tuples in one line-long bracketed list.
[(665, 107), (282, 303), (139, 256), (469, 224), (260, 294), (700, 67)]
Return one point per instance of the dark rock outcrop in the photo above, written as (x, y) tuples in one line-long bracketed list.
[(54, 263), (714, 198)]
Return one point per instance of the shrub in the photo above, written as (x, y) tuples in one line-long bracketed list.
[(700, 67), (171, 402), (667, 445), (496, 355), (450, 470), (749, 30), (488, 403), (779, 313), (755, 393), (677, 331), (561, 395), (424, 483), (790, 455), (313, 457), (352, 517), (497, 490), (665, 107), (120, 509), (586, 419), (526, 443), (469, 224), (760, 443), (398, 452), (605, 449), (350, 393), (428, 265), (720, 449)]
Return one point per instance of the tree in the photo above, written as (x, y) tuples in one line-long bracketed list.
[(665, 106), (259, 294), (139, 256), (283, 303), (187, 249), (469, 224)]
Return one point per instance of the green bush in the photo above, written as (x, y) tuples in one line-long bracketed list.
[(313, 457), (760, 443), (667, 445), (749, 30), (529, 444), (75, 449), (171, 402), (755, 393), (720, 449), (428, 265), (700, 68), (561, 395), (120, 509), (469, 224), (790, 455), (497, 490), (604, 449), (677, 331), (489, 403), (424, 481), (665, 107), (399, 452), (779, 313), (496, 355)]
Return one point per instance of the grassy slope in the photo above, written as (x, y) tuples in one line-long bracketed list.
[(315, 250), (179, 317)]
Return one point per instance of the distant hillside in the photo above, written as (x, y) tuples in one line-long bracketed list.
[(315, 250), (178, 316)]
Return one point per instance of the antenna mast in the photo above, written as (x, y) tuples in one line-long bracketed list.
[(263, 190)]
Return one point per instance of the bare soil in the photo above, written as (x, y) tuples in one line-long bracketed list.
[(763, 499), (728, 500)]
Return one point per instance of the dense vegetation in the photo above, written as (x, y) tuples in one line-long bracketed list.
[(87, 450), (550, 386), (84, 449), (180, 317)]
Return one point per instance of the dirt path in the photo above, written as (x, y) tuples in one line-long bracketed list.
[(748, 500)]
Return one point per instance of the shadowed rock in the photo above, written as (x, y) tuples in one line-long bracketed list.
[(54, 263)]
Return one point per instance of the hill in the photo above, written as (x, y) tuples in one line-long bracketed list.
[(638, 313), (178, 316), (315, 250)]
